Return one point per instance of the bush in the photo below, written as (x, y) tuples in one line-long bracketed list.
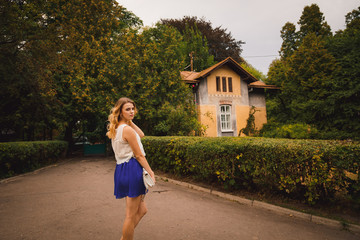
[(309, 170), (177, 121), (303, 131), (20, 157), (293, 131)]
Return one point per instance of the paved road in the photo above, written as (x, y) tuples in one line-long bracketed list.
[(74, 200)]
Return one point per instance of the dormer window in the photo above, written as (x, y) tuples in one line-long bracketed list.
[(224, 84), (218, 87), (230, 84)]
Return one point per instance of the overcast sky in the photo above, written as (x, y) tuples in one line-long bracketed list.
[(256, 22)]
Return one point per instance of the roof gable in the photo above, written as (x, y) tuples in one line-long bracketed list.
[(191, 77)]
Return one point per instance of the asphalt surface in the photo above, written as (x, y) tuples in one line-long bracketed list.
[(74, 200)]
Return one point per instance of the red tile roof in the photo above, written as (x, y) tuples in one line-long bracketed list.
[(260, 84), (189, 77), (196, 76)]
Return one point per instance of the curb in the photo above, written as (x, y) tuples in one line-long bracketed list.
[(267, 206)]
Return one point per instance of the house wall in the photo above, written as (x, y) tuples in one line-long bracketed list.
[(260, 117), (225, 71), (257, 99), (241, 100), (206, 111), (209, 102), (242, 114), (203, 96), (207, 117)]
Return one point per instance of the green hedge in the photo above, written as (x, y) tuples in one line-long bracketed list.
[(20, 157), (293, 131), (309, 170)]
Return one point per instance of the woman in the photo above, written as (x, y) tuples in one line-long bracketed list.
[(130, 158)]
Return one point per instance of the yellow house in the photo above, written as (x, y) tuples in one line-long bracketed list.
[(224, 95)]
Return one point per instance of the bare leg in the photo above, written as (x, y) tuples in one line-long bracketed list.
[(135, 210), (141, 212)]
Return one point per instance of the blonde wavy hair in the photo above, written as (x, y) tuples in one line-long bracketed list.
[(115, 116)]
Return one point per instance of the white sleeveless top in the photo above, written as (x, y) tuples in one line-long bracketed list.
[(122, 149)]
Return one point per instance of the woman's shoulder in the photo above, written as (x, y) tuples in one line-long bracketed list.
[(121, 126), (120, 132), (127, 130)]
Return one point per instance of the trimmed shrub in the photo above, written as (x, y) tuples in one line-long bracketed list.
[(293, 131), (20, 157), (309, 170)]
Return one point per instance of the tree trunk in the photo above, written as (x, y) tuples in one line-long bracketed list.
[(69, 138)]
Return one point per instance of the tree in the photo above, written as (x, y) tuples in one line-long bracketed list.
[(129, 19), (146, 67), (313, 21), (306, 80), (345, 47), (352, 19), (68, 61), (290, 40), (196, 47), (319, 77), (28, 58), (256, 73), (220, 42), (310, 81), (87, 32)]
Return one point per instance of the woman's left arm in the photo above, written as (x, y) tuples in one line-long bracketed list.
[(130, 137), (137, 129)]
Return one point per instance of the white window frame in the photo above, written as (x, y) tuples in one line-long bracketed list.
[(225, 118)]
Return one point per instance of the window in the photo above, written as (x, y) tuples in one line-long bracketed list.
[(225, 117), (230, 84), (218, 88), (224, 84)]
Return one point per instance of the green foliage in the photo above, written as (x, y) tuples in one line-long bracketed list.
[(310, 170), (55, 52), (345, 47), (177, 121), (64, 64), (305, 79), (318, 75), (81, 85), (129, 19), (221, 44), (20, 157), (313, 21), (196, 45), (145, 67), (290, 40), (27, 58), (293, 131), (311, 74), (253, 71)]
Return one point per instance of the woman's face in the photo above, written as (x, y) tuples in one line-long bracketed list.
[(128, 111)]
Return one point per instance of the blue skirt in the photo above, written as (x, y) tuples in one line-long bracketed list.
[(128, 179)]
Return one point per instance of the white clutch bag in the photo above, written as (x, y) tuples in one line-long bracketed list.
[(148, 181)]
